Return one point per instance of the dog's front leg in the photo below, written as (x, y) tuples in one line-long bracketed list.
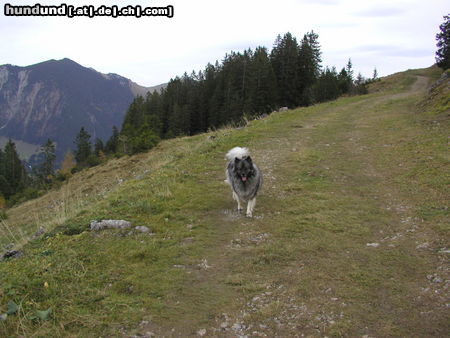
[(251, 204), (238, 200)]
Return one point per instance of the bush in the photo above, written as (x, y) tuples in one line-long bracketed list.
[(25, 195)]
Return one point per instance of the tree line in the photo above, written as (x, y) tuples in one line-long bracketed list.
[(244, 85)]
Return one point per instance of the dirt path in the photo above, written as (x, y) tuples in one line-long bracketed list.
[(337, 246)]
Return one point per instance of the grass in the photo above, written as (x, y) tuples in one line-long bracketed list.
[(337, 176)]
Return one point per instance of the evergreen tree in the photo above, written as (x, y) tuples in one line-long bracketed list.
[(83, 148), (153, 111), (4, 185), (349, 69), (111, 146), (360, 85), (134, 118), (327, 86), (375, 74), (47, 169), (309, 65), (344, 81), (14, 174), (443, 44), (262, 84), (98, 147), (144, 140), (284, 59)]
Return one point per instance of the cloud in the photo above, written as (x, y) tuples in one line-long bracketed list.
[(377, 12), (392, 51), (320, 2)]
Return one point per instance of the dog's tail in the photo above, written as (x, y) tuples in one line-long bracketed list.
[(237, 152)]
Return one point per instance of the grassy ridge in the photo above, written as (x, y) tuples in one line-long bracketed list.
[(351, 224)]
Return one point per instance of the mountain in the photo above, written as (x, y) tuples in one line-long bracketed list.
[(55, 98)]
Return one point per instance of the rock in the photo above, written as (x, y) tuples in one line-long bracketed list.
[(283, 109), (204, 264), (12, 254), (434, 278), (9, 246), (109, 224), (142, 228), (263, 116), (38, 233), (373, 245), (142, 175), (423, 245), (201, 332), (237, 327)]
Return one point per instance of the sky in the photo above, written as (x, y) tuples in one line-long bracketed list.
[(390, 36)]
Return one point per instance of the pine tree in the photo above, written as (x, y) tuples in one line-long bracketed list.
[(284, 59), (443, 44), (349, 69), (113, 142), (375, 74), (153, 111), (98, 147), (13, 170), (47, 169), (309, 65), (262, 83), (83, 148), (344, 82), (134, 117), (4, 185), (360, 85), (327, 86)]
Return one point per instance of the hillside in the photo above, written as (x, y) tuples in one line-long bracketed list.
[(55, 98), (349, 235)]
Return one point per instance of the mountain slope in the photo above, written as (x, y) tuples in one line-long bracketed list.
[(349, 238), (54, 99)]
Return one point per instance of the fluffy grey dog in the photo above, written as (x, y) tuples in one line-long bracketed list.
[(244, 177)]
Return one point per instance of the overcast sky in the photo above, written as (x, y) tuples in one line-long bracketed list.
[(389, 35)]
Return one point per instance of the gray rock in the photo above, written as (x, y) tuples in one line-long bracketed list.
[(9, 246), (38, 233), (201, 332), (12, 254), (110, 224), (423, 246), (237, 327), (142, 228)]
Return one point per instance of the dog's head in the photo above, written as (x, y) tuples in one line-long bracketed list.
[(243, 168)]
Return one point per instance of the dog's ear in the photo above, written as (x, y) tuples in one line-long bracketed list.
[(237, 160), (249, 159)]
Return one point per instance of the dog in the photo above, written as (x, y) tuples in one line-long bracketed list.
[(244, 177)]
